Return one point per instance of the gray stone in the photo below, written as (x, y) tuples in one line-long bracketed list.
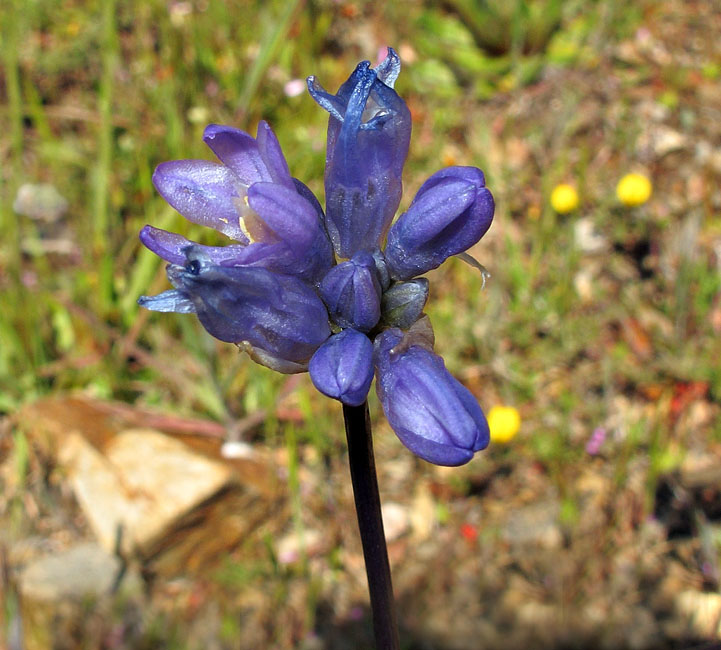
[(535, 524), (82, 571)]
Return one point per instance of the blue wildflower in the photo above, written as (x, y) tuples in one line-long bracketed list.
[(449, 214), (277, 292), (251, 198), (369, 132), (432, 413), (278, 319)]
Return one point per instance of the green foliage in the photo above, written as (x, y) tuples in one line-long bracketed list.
[(503, 26)]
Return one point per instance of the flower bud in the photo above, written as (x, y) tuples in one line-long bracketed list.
[(342, 368), (403, 303), (432, 413), (368, 135), (352, 293), (277, 318), (449, 214)]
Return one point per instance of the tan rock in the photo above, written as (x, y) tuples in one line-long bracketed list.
[(142, 484), (702, 613)]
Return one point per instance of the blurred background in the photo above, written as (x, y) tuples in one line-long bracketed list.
[(160, 490)]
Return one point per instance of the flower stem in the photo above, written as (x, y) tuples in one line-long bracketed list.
[(370, 523)]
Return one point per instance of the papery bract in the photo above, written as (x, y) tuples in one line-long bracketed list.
[(431, 412), (342, 368), (451, 211), (368, 136)]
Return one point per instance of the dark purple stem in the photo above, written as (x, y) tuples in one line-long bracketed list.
[(370, 522)]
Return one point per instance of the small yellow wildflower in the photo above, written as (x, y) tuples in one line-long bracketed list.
[(564, 198), (504, 422), (633, 189)]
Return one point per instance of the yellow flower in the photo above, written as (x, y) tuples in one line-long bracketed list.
[(564, 198), (504, 422), (633, 189)]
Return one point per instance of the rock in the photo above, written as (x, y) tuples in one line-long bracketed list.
[(701, 612), (42, 202), (169, 494), (143, 484), (535, 524), (82, 571), (296, 544), (59, 593), (396, 521), (587, 238)]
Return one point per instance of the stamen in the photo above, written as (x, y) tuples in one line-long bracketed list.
[(472, 261)]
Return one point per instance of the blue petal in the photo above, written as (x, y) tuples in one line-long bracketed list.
[(389, 69), (272, 155), (286, 213), (169, 301), (238, 151), (171, 246), (203, 192)]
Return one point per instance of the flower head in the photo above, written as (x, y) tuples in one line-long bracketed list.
[(504, 423), (276, 289), (368, 136), (564, 198), (633, 189)]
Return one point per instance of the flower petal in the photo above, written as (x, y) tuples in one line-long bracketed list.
[(290, 217), (272, 155), (239, 151), (173, 300), (389, 69), (171, 246), (203, 192)]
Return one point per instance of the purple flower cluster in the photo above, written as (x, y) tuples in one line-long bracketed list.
[(303, 289)]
